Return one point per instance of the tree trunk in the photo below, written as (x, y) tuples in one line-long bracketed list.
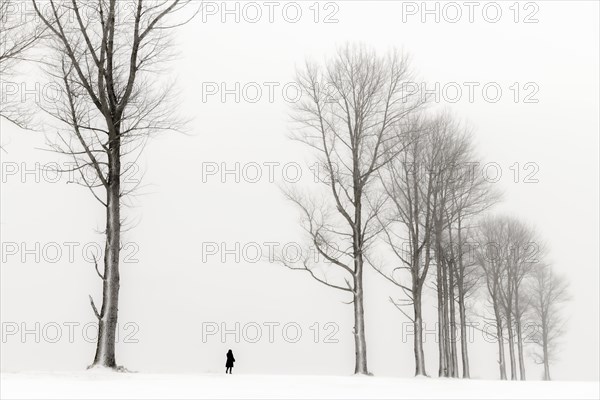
[(446, 323), (511, 348), (441, 339), (520, 350), (545, 348), (107, 322), (360, 343), (452, 324), (464, 340), (546, 370), (500, 336), (519, 335), (466, 374), (418, 343)]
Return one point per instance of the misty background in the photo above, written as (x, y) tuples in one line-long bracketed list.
[(173, 289)]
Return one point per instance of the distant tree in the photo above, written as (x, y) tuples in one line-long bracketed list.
[(489, 257), (524, 251), (509, 252), (449, 169), (432, 194), (468, 195), (548, 293)]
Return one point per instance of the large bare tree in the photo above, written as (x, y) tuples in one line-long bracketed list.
[(349, 116), (105, 56)]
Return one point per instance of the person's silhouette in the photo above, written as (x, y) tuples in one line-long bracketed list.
[(230, 361)]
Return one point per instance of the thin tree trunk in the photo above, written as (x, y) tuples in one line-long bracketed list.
[(107, 322), (511, 348), (520, 350), (500, 336), (446, 323), (442, 344), (546, 363), (466, 374), (545, 349), (441, 339), (452, 324), (463, 335), (519, 336)]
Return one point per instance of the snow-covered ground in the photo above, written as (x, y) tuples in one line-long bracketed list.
[(99, 384)]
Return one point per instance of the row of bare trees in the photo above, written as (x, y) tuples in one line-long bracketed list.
[(394, 172), (522, 291)]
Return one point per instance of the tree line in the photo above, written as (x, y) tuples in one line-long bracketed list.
[(395, 175), (396, 172)]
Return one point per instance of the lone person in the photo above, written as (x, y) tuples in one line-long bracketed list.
[(230, 361)]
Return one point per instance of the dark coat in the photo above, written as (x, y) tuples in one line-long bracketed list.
[(230, 360)]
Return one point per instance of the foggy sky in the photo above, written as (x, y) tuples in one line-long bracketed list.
[(170, 293)]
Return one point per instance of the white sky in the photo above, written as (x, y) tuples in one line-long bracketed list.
[(170, 292)]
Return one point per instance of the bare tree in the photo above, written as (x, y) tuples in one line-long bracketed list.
[(470, 195), (453, 149), (548, 293), (432, 192), (349, 116), (524, 251), (105, 60), (17, 35), (488, 254), (467, 282), (510, 251), (409, 186)]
